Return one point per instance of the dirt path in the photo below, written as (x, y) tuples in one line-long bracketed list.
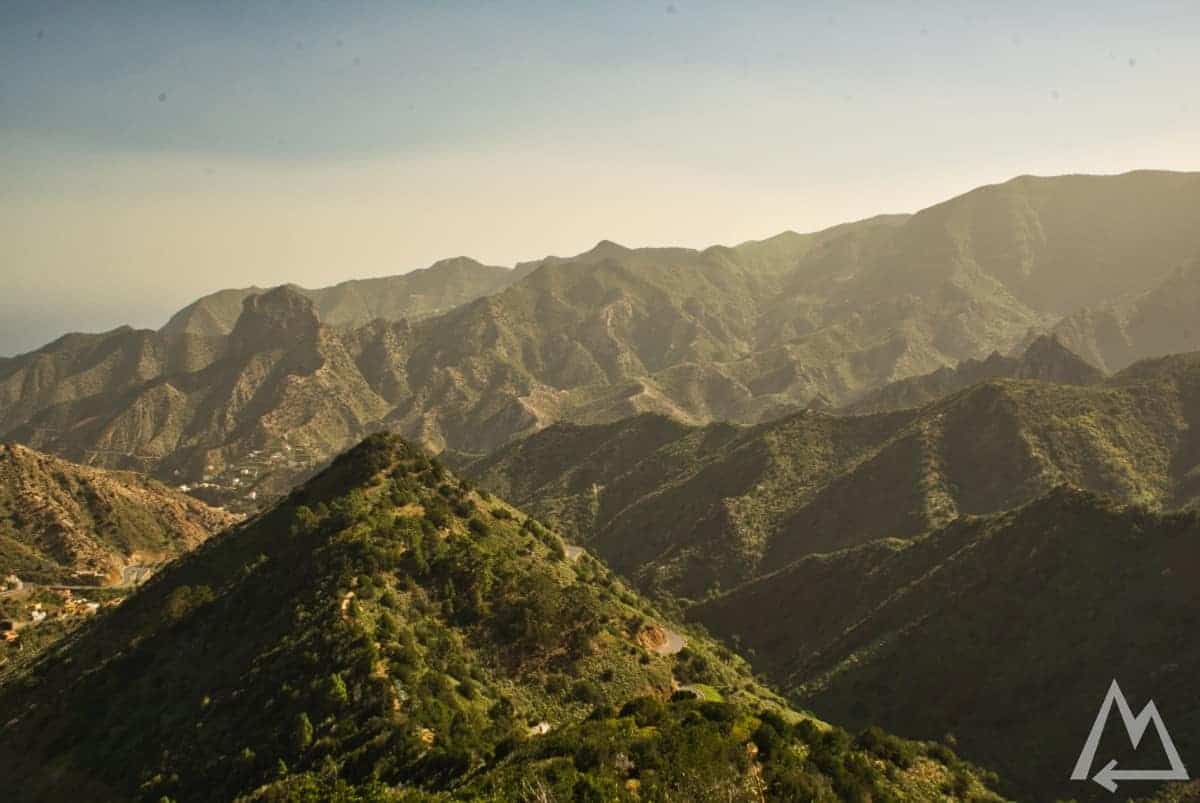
[(574, 553)]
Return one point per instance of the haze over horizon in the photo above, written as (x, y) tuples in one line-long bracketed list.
[(156, 152)]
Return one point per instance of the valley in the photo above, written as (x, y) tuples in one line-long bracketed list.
[(457, 654), (679, 402), (867, 476)]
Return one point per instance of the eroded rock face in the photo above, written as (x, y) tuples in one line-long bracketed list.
[(277, 319)]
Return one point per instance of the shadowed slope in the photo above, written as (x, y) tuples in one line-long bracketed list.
[(1004, 630), (683, 509), (387, 633)]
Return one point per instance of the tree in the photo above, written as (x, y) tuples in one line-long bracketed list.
[(302, 732), (336, 691), (185, 599), (304, 521)]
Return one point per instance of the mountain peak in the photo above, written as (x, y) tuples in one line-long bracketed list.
[(605, 249), (278, 318), (457, 263), (1047, 358), (388, 604)]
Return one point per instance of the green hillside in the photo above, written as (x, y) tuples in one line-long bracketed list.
[(1003, 630), (686, 510), (388, 633)]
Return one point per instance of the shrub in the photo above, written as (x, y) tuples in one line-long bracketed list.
[(302, 732), (644, 710), (886, 746), (185, 599), (718, 712), (335, 691), (587, 691)]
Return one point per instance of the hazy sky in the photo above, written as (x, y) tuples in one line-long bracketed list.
[(151, 152)]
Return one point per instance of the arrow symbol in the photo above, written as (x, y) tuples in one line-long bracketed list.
[(1135, 728), (1109, 776), (1105, 776)]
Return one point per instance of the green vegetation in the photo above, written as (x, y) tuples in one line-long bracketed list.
[(683, 511), (389, 631), (341, 646), (688, 750), (869, 563), (1003, 630)]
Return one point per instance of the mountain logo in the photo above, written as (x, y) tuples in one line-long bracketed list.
[(1135, 727)]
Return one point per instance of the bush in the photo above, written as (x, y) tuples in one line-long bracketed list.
[(302, 733), (185, 599), (886, 746), (587, 691), (644, 710), (718, 712), (335, 691)]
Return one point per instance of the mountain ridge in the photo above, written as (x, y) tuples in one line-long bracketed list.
[(1003, 629), (1045, 358), (388, 633), (355, 302), (743, 334), (682, 509)]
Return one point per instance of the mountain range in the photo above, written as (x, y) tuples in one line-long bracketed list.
[(687, 510), (389, 633), (966, 567), (1044, 358), (417, 294), (934, 473), (742, 334)]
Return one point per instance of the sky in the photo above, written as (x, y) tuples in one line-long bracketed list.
[(151, 152)]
